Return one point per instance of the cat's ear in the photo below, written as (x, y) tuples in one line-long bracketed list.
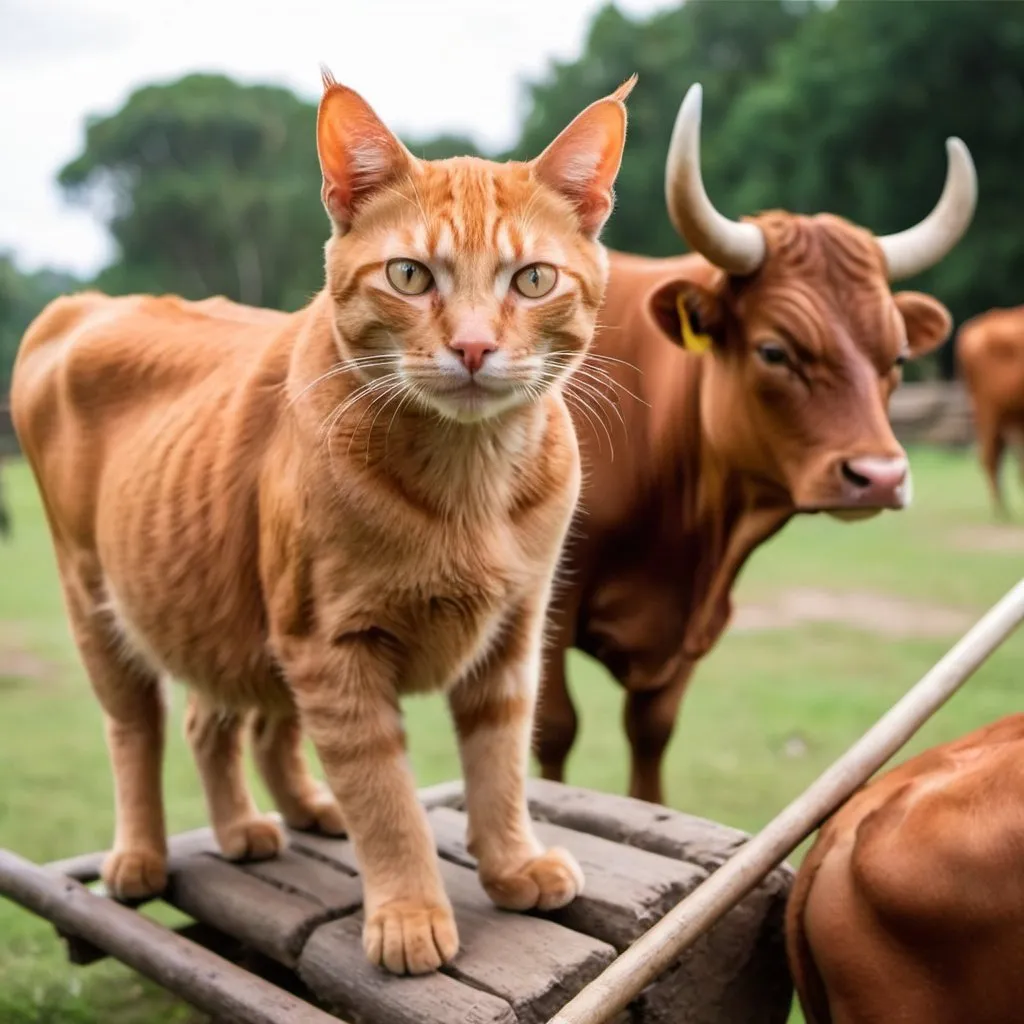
[(358, 154), (583, 161)]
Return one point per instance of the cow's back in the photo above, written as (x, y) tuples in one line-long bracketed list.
[(911, 902), (990, 352)]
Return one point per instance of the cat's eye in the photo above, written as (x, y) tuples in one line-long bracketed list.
[(536, 280), (409, 276)]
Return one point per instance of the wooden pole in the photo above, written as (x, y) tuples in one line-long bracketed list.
[(200, 977), (659, 947)]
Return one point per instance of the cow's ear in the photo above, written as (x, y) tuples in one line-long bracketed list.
[(927, 321), (690, 315)]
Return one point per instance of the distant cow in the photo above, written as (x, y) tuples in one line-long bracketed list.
[(785, 412), (910, 905), (990, 351)]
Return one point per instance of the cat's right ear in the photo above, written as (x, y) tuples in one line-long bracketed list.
[(358, 154), (583, 161)]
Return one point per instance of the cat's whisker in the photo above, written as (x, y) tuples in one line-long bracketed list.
[(392, 386), (332, 418), (364, 362), (400, 389), (598, 382), (339, 410), (590, 371), (601, 397), (410, 392), (580, 403), (602, 358)]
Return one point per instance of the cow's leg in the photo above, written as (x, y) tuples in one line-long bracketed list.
[(303, 802), (554, 731), (650, 718), (215, 735), (133, 711), (993, 444)]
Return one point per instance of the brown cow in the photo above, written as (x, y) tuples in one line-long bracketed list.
[(910, 905), (990, 351), (786, 413)]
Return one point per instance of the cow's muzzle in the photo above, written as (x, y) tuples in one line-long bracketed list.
[(871, 483)]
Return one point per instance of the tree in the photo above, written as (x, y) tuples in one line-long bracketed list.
[(22, 296), (208, 187), (726, 47), (852, 119)]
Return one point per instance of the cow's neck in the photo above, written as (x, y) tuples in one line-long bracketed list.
[(726, 513)]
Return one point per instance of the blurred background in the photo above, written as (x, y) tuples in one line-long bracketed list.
[(169, 146)]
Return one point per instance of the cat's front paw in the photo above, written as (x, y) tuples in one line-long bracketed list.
[(134, 873), (410, 937), (546, 882)]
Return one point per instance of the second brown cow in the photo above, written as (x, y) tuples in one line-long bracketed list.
[(786, 412), (990, 352)]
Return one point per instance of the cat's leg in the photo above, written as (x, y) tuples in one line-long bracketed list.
[(493, 712), (348, 706), (215, 736), (303, 802), (133, 710)]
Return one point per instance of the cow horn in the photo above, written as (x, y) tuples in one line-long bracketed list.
[(922, 246), (735, 247)]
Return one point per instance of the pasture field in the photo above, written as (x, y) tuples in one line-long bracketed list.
[(835, 622)]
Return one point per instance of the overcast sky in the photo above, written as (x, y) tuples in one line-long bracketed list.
[(425, 66)]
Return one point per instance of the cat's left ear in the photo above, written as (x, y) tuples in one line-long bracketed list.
[(583, 161), (358, 154)]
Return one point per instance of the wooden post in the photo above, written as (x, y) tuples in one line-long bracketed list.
[(200, 977), (659, 947)]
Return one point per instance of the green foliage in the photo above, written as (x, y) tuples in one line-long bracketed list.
[(208, 187), (852, 119), (724, 46), (21, 297)]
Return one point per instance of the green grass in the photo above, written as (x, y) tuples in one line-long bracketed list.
[(729, 761)]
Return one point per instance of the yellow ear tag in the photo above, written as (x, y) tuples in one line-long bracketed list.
[(692, 342)]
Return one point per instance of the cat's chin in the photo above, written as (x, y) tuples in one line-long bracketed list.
[(473, 404)]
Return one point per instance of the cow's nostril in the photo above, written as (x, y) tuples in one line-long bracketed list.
[(855, 478)]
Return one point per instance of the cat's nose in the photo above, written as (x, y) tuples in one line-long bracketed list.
[(473, 353)]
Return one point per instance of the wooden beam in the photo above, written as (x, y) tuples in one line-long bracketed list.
[(202, 978), (682, 926)]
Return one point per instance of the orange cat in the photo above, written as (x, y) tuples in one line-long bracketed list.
[(312, 514)]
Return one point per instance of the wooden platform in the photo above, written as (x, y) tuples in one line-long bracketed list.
[(295, 922)]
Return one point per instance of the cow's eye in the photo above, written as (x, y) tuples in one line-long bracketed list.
[(773, 354), (901, 361)]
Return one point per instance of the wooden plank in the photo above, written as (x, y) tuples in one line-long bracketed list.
[(627, 889), (623, 819), (293, 871), (533, 964), (207, 981), (335, 967), (739, 964), (217, 893), (86, 866), (442, 794)]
